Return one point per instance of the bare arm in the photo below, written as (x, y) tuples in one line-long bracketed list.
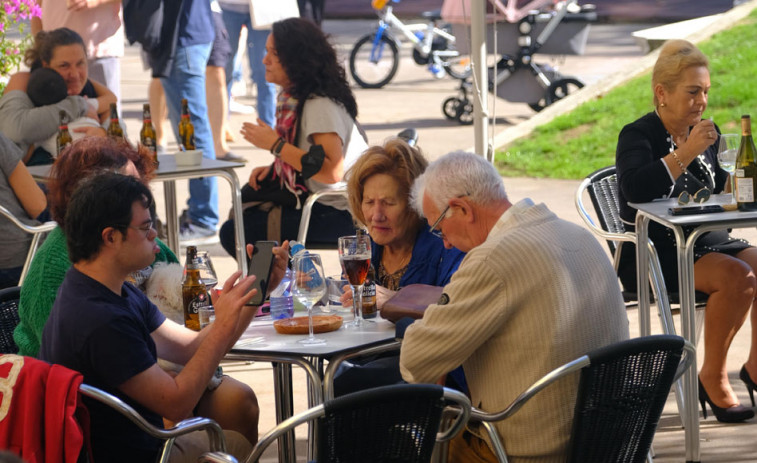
[(36, 22), (27, 191), (175, 397), (76, 5), (331, 171), (104, 98)]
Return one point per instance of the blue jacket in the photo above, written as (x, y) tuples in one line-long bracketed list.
[(430, 264)]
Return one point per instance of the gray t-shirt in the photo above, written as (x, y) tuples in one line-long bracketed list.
[(14, 244), (323, 115)]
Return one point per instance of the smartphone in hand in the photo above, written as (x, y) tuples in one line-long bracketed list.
[(261, 265)]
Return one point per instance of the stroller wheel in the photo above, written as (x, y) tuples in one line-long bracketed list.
[(563, 87), (450, 107), (465, 113)]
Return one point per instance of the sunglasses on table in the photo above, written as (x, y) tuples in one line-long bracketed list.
[(701, 195)]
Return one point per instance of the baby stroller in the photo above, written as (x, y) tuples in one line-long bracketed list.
[(559, 28)]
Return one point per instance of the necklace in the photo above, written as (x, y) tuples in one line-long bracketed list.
[(391, 281)]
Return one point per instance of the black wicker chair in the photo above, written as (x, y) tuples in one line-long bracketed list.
[(621, 394), (8, 318), (397, 423)]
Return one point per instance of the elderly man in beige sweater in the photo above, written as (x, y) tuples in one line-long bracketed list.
[(533, 292)]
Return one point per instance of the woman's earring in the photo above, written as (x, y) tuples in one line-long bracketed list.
[(662, 105)]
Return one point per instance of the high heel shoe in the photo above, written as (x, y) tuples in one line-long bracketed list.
[(734, 414), (750, 385)]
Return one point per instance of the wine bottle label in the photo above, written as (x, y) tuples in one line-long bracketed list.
[(744, 188)]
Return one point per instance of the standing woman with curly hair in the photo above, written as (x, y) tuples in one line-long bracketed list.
[(316, 139)]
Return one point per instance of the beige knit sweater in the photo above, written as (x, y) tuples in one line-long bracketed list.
[(536, 294)]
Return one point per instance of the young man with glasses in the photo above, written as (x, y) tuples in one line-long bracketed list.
[(109, 331), (533, 292)]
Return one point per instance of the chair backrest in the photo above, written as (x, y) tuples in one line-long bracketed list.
[(37, 231), (8, 318), (397, 423), (603, 191), (621, 395)]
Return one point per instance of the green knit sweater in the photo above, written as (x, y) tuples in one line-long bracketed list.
[(41, 285)]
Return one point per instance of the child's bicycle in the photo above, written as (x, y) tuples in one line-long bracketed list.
[(375, 57)]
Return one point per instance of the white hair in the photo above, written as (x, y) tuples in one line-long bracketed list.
[(458, 174)]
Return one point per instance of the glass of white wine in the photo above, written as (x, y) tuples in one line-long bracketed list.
[(207, 272), (309, 287), (728, 150)]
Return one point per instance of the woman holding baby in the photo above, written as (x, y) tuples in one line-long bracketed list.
[(28, 126)]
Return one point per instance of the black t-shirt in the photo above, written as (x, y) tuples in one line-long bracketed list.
[(106, 337)]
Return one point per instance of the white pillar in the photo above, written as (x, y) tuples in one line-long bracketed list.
[(480, 92)]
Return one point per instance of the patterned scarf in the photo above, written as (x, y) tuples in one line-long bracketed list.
[(286, 126)]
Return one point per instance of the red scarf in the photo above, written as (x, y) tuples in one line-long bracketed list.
[(286, 126)]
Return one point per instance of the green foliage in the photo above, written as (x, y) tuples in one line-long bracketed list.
[(584, 139), (13, 17)]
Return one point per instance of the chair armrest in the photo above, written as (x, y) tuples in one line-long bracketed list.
[(689, 352), (328, 377), (215, 433), (462, 409), (216, 457), (290, 423), (31, 229), (596, 229), (339, 190)]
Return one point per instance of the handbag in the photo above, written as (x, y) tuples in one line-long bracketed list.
[(264, 13), (411, 301)]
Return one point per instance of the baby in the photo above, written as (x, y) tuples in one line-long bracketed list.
[(47, 87)]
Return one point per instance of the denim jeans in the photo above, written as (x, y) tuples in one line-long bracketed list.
[(187, 80), (255, 51)]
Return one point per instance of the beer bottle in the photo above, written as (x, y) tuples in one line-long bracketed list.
[(64, 136), (147, 135), (369, 294), (114, 129), (193, 292), (186, 128), (746, 169)]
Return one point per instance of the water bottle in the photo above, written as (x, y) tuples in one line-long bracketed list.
[(282, 302), (298, 249)]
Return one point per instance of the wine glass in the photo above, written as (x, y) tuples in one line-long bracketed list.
[(355, 257), (727, 153), (309, 287), (207, 272)]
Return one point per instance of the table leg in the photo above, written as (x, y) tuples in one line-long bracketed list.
[(688, 330), (172, 217), (282, 384), (642, 274)]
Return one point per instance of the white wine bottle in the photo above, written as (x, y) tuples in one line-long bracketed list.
[(746, 169)]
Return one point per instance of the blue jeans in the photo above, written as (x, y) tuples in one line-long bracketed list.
[(187, 80), (255, 51)]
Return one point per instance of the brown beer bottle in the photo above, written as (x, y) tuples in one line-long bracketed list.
[(114, 129), (147, 135), (186, 128), (64, 136), (193, 292)]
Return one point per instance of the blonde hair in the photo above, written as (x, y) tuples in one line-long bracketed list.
[(675, 57), (396, 159)]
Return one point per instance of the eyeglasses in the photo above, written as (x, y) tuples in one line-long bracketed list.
[(702, 195), (434, 230), (146, 228)]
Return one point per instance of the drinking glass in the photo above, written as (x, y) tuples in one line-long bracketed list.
[(207, 272), (727, 153), (355, 257), (309, 287)]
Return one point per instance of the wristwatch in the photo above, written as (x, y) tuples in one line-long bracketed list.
[(277, 147)]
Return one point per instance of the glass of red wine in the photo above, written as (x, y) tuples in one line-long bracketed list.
[(355, 257)]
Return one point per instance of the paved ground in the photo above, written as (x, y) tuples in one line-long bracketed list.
[(414, 100)]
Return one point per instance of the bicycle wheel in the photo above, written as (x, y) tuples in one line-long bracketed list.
[(450, 107), (378, 72), (458, 67)]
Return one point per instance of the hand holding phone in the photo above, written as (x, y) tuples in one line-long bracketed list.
[(260, 265)]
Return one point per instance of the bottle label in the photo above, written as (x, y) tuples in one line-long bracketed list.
[(193, 307), (744, 187)]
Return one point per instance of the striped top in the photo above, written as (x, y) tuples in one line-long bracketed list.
[(536, 294)]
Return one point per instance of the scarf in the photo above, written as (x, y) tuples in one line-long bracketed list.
[(286, 127)]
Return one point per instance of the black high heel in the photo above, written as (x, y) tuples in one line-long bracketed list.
[(735, 414), (750, 385)]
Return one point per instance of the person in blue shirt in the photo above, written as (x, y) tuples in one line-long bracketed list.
[(404, 250)]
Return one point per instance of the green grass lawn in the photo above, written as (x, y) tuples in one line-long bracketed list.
[(583, 140)]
